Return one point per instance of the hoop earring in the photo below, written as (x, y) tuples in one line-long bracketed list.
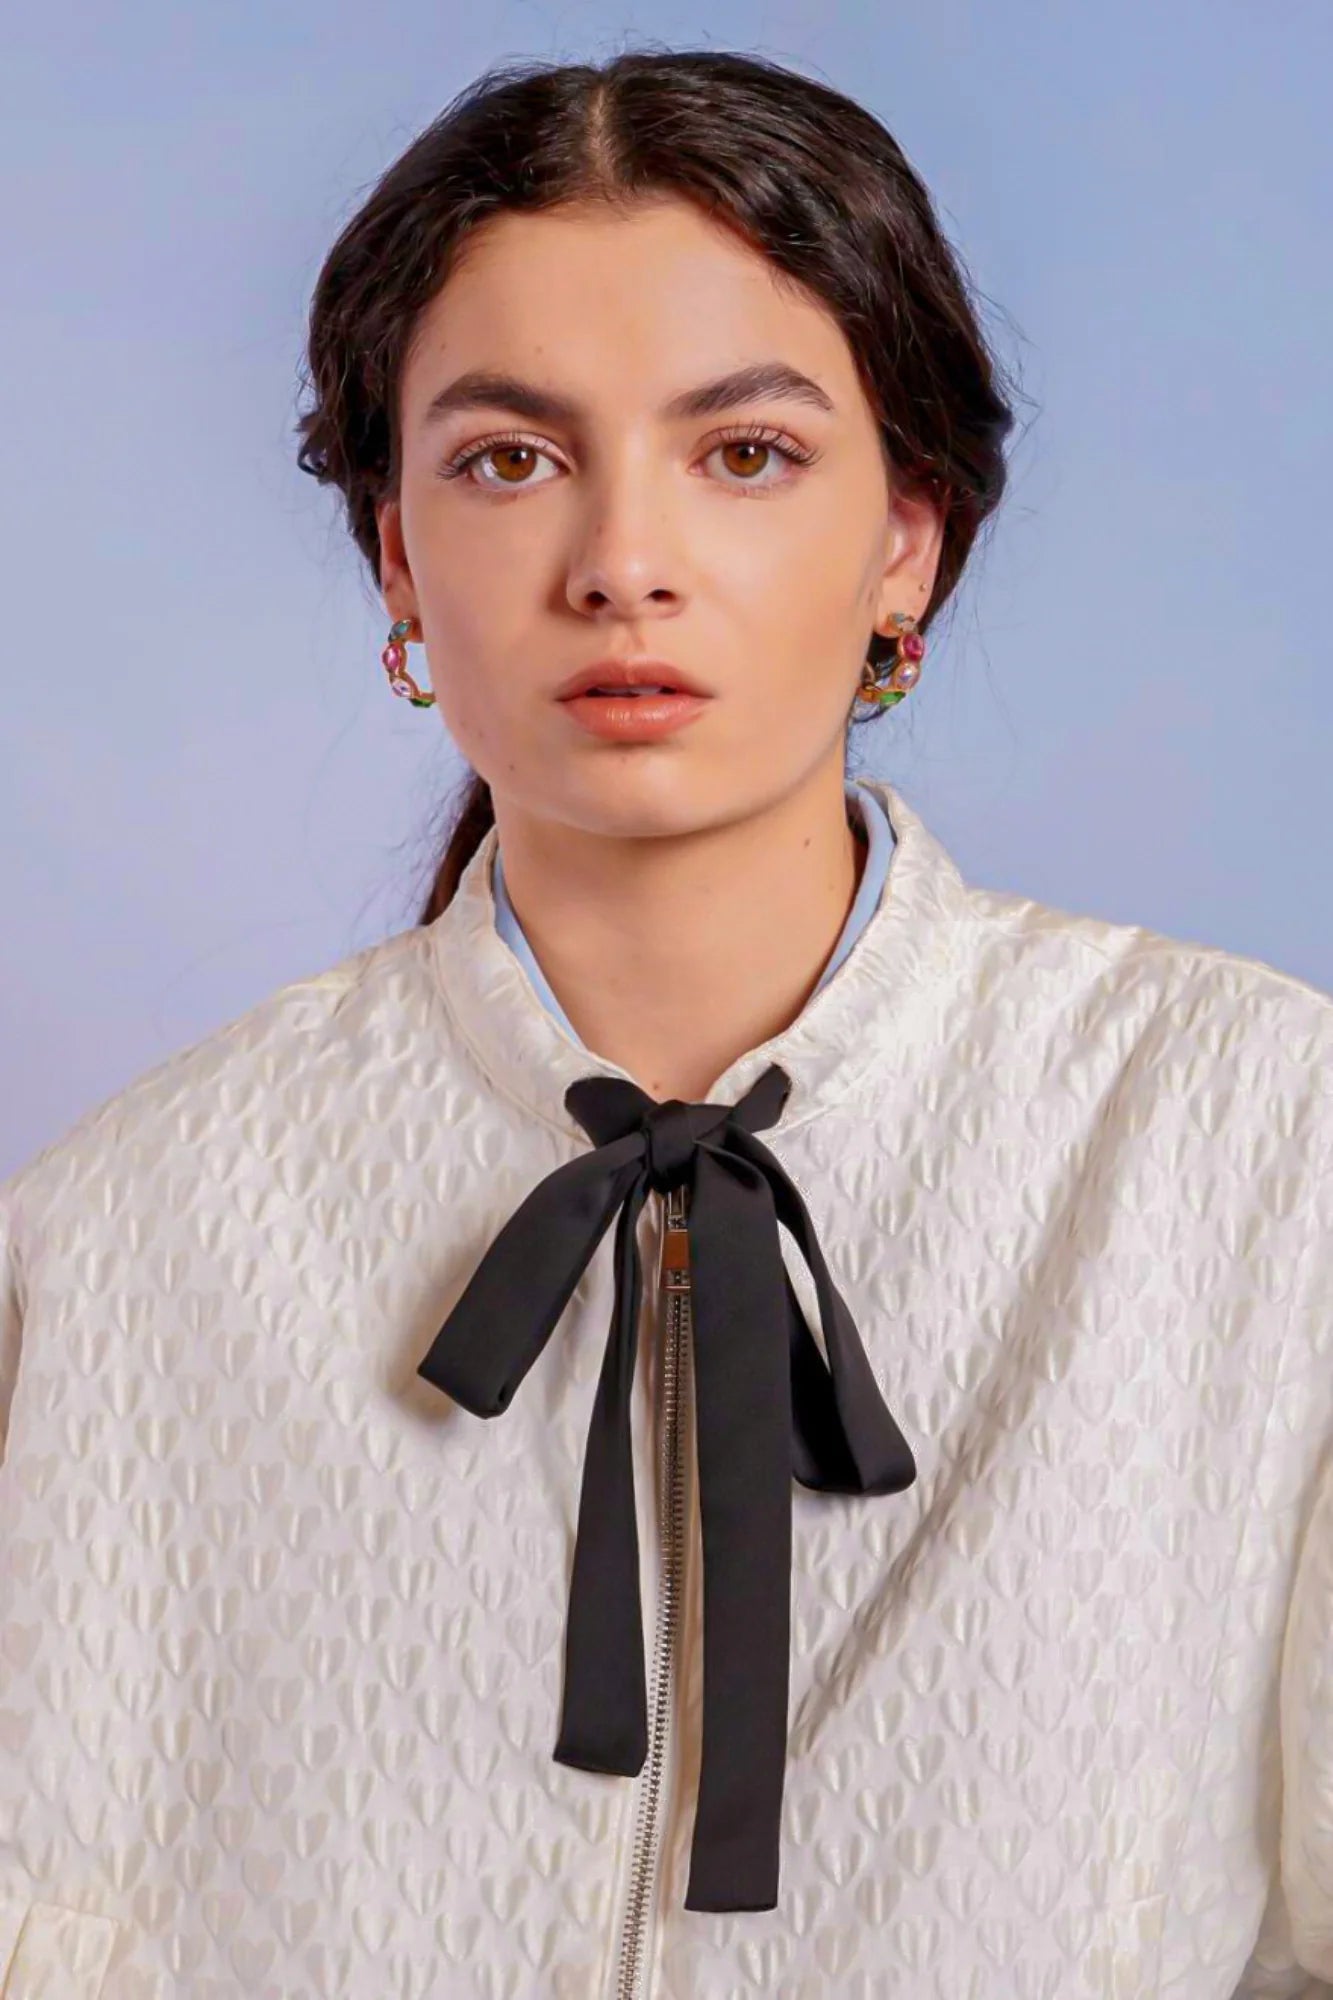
[(887, 689), (394, 661)]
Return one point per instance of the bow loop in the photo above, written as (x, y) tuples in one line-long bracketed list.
[(768, 1406)]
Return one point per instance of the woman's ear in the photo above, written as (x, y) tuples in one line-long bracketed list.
[(396, 586), (914, 542)]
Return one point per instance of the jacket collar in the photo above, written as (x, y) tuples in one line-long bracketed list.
[(881, 1002)]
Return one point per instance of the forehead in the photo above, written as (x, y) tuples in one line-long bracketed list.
[(610, 303)]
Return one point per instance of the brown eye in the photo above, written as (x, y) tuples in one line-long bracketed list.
[(747, 453), (512, 453), (507, 461), (749, 457)]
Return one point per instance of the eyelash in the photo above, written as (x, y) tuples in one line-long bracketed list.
[(786, 446)]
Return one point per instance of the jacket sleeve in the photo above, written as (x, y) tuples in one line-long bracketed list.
[(1306, 1698), (11, 1315)]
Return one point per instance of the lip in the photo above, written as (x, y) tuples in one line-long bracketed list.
[(633, 718), (630, 673)]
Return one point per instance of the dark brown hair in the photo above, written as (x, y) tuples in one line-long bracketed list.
[(808, 176)]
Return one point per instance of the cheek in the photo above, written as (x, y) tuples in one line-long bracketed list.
[(820, 607), (491, 697), (463, 579), (806, 560)]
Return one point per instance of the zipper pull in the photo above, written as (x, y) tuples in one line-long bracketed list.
[(676, 1243)]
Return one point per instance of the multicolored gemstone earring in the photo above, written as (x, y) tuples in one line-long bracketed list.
[(394, 661), (903, 670)]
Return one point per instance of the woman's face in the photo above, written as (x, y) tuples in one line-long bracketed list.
[(616, 526)]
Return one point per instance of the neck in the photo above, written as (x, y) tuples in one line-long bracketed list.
[(672, 955)]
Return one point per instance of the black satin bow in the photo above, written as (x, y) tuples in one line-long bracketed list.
[(767, 1406)]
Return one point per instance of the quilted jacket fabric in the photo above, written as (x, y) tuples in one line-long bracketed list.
[(281, 1626)]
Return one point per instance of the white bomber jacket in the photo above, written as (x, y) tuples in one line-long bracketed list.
[(282, 1625)]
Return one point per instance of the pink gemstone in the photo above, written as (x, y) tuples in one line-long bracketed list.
[(912, 645), (393, 657)]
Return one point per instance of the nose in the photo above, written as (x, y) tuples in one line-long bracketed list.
[(624, 558)]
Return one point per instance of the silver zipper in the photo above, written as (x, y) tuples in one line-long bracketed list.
[(674, 1290)]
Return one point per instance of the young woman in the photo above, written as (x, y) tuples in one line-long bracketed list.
[(729, 1414)]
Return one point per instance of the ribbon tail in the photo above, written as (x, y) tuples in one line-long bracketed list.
[(821, 1456), (513, 1300), (743, 1427), (846, 1440), (604, 1716)]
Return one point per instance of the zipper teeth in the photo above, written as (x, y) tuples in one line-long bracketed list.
[(675, 1361)]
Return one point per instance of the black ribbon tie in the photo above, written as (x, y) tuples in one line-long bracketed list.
[(767, 1407)]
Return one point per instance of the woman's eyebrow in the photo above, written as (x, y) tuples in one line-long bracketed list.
[(760, 381)]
